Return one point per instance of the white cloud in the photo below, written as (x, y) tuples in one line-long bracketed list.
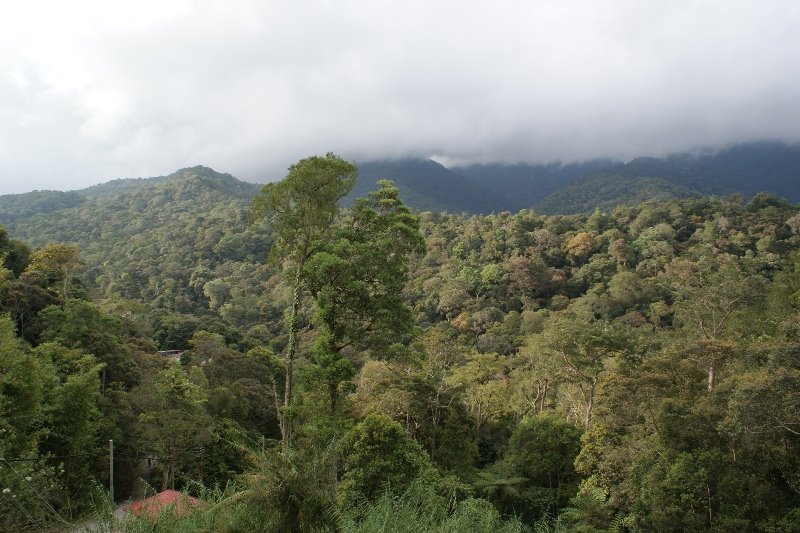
[(98, 90)]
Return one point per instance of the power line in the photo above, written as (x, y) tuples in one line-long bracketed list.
[(47, 457)]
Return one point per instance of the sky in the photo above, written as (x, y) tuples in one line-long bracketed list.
[(97, 90)]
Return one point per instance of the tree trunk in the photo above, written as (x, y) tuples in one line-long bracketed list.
[(290, 354), (590, 404), (434, 427), (544, 395), (292, 348), (712, 377), (281, 421), (333, 387), (478, 425), (64, 289), (166, 476)]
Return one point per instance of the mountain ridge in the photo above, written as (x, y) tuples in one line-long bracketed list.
[(426, 185), (607, 191)]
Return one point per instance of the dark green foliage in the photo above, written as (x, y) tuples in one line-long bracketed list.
[(72, 418), (22, 389), (284, 493), (48, 407), (172, 331), (173, 421), (428, 186), (523, 186), (464, 375), (157, 240), (605, 192), (23, 299), (357, 280), (536, 476), (82, 325), (15, 255), (222, 457), (379, 456), (240, 386), (15, 207)]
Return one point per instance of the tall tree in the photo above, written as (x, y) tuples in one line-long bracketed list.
[(24, 384), (301, 210), (584, 348), (484, 384), (357, 281), (537, 473), (174, 420), (707, 294), (57, 258)]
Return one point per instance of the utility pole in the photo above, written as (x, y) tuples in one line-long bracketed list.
[(111, 468)]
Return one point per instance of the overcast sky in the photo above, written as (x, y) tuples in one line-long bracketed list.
[(96, 90)]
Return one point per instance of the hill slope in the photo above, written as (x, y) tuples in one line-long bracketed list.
[(428, 186), (136, 233), (15, 207), (605, 192), (523, 185), (750, 168), (747, 168)]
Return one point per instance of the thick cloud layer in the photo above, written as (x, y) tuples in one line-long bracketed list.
[(91, 91)]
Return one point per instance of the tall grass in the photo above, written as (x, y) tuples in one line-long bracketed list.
[(285, 495), (420, 508)]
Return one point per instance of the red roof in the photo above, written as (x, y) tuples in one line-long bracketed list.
[(180, 504)]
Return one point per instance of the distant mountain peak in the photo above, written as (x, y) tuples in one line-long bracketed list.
[(200, 170)]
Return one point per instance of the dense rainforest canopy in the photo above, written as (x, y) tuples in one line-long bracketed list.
[(636, 369)]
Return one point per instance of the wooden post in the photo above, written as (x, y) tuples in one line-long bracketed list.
[(111, 468)]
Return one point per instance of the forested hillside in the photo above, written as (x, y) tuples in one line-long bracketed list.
[(428, 186), (582, 187), (606, 192), (160, 239), (22, 206), (635, 369), (747, 168), (523, 186), (554, 188)]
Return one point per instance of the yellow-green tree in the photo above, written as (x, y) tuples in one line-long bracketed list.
[(59, 258), (583, 348)]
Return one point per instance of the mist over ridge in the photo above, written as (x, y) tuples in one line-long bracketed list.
[(426, 185)]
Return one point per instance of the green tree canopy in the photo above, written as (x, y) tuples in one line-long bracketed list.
[(379, 455), (357, 281), (301, 210), (59, 259)]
